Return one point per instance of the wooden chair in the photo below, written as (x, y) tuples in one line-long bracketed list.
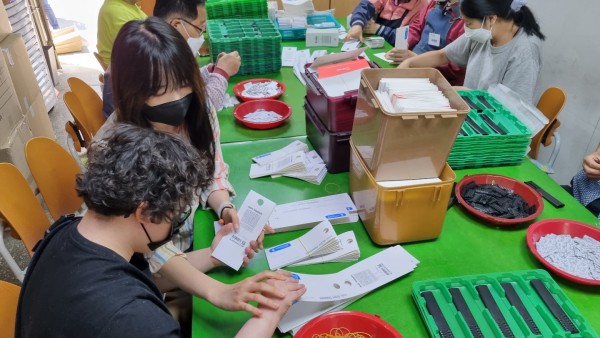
[(22, 211), (90, 101), (551, 104), (73, 134), (9, 294), (79, 115), (54, 171)]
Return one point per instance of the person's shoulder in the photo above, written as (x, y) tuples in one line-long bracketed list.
[(529, 44)]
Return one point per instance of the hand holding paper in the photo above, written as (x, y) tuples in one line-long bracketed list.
[(254, 214)]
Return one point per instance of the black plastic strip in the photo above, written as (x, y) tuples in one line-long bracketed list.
[(492, 124), (485, 102), (463, 308), (515, 300), (475, 126), (551, 303), (492, 306), (463, 132), (556, 203), (435, 311), (472, 104)]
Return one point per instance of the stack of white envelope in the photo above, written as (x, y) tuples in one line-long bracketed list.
[(349, 251), (293, 160), (319, 242), (338, 209), (331, 292)]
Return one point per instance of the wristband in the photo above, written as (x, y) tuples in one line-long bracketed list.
[(223, 206)]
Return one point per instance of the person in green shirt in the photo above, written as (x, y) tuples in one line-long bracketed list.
[(112, 16)]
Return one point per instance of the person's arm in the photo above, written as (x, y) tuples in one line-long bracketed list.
[(232, 297), (361, 15), (265, 325), (216, 76), (429, 59)]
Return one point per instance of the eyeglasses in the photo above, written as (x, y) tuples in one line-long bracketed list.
[(199, 29), (176, 225)]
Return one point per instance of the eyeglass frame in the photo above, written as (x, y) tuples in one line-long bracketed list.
[(200, 29), (176, 225)]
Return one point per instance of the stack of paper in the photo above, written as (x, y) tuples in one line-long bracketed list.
[(325, 293), (297, 7), (291, 22), (321, 240), (314, 172), (411, 95), (293, 160), (337, 209), (254, 213), (349, 251)]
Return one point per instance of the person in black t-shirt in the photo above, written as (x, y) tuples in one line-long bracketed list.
[(138, 188)]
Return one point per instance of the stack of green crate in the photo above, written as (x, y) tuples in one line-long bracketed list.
[(257, 41), (472, 149), (227, 9)]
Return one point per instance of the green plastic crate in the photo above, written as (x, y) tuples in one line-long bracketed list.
[(227, 9), (548, 325), (257, 41), (475, 150)]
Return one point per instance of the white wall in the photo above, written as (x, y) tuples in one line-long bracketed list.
[(571, 61)]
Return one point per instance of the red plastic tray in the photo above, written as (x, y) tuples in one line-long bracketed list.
[(345, 322), (530, 196), (248, 107), (561, 227)]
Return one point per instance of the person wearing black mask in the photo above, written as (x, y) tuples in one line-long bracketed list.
[(138, 187), (156, 85)]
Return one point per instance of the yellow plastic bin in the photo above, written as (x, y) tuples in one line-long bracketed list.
[(399, 146), (399, 215)]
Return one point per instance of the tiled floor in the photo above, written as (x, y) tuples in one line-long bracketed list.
[(82, 65)]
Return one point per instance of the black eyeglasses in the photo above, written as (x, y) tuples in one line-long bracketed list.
[(199, 29), (176, 225)]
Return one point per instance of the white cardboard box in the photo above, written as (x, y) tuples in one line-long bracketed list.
[(13, 151), (322, 37)]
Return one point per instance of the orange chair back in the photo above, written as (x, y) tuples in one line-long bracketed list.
[(80, 117), (9, 296), (20, 208), (551, 104), (54, 172), (90, 101)]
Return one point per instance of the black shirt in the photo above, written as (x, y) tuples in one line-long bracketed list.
[(77, 288)]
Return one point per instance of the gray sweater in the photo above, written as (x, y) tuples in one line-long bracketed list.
[(516, 64)]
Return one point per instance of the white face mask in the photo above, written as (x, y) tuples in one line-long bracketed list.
[(194, 43), (480, 35)]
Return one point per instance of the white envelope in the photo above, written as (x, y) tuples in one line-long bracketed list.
[(254, 214)]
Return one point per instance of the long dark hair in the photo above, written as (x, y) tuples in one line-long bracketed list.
[(523, 17), (150, 57)]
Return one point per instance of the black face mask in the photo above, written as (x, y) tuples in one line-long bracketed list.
[(172, 113), (176, 224)]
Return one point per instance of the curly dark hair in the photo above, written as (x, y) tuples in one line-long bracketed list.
[(134, 166)]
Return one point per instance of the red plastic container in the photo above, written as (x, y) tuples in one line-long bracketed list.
[(343, 322), (245, 108), (530, 196), (337, 113), (238, 89), (334, 148), (561, 227)]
